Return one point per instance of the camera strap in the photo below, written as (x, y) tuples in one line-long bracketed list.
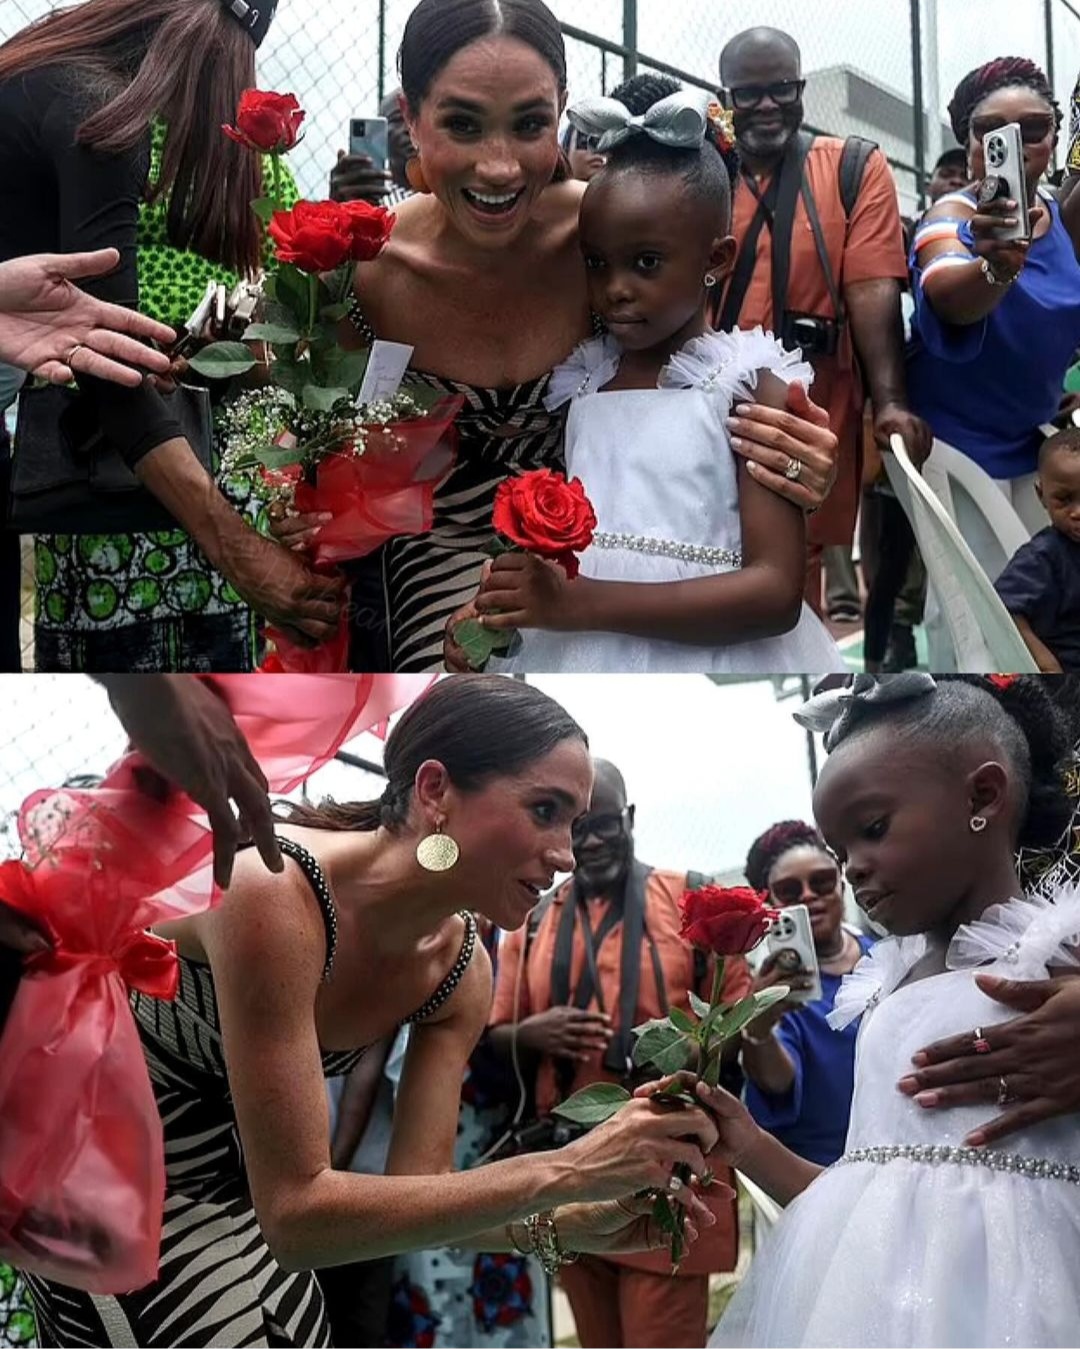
[(791, 185)]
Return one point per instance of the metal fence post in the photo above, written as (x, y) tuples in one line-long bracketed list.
[(630, 39), (918, 113), (382, 50)]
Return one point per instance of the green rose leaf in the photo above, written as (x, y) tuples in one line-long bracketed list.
[(343, 368), (746, 1009), (700, 1006), (264, 208), (277, 456), (322, 400), (223, 360), (291, 291), (271, 332), (334, 313), (593, 1105), (480, 643), (663, 1045), (685, 1023)]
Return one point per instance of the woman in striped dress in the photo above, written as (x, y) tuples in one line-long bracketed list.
[(484, 278), (292, 975)]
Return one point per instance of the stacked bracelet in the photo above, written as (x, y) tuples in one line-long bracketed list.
[(992, 278), (544, 1237)]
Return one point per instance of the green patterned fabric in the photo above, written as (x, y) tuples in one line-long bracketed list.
[(16, 1318), (148, 601)]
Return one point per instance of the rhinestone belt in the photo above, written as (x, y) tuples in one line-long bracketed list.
[(993, 1161), (682, 552)]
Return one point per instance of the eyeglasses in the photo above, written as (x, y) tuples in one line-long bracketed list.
[(588, 143), (606, 827), (1033, 130), (790, 890), (783, 94)]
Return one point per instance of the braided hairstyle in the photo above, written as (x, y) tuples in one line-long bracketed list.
[(1016, 713), (768, 848), (1004, 73), (708, 176)]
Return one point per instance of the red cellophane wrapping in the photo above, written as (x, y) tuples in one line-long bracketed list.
[(375, 496), (82, 1172)]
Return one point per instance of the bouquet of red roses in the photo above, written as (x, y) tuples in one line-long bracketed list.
[(719, 922), (314, 437), (537, 512)]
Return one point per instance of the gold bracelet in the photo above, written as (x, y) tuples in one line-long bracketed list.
[(545, 1242)]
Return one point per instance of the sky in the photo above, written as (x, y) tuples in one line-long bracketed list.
[(707, 766), (326, 51)]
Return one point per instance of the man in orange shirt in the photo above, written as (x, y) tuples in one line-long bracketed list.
[(605, 956), (839, 277)]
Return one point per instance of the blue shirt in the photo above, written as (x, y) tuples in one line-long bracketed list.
[(1042, 584), (987, 387), (812, 1118)]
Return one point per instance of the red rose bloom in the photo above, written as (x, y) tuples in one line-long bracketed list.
[(371, 227), (266, 122), (1002, 682), (725, 922), (315, 236), (546, 515)]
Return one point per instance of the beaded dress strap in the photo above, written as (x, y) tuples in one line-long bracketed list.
[(317, 881), (455, 975)]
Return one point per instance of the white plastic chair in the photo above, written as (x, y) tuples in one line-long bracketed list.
[(947, 467), (985, 638)]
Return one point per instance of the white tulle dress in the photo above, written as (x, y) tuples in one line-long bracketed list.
[(912, 1239), (658, 466)]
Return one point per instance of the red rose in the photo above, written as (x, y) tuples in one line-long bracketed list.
[(725, 922), (1002, 682), (315, 235), (266, 122), (371, 227), (544, 514)]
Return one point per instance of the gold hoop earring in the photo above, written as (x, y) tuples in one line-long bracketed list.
[(437, 851), (977, 823), (414, 172)]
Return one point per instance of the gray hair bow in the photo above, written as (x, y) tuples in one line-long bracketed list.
[(833, 711), (680, 120)]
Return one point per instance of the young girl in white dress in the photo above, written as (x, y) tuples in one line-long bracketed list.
[(695, 566), (921, 1234)]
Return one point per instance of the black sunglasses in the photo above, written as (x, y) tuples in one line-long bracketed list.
[(790, 889), (605, 826), (783, 93), (582, 142), (1033, 130)]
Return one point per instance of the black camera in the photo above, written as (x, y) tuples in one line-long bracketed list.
[(816, 336)]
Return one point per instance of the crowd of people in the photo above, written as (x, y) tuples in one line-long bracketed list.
[(800, 236)]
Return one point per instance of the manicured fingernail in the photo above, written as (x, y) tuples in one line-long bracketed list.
[(927, 1099), (736, 443), (976, 1140), (920, 1060), (752, 468), (908, 1085), (742, 409)]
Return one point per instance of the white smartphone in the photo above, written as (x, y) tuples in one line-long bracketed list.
[(1003, 150), (370, 136), (791, 943)]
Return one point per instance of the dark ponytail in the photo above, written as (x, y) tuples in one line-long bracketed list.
[(479, 727)]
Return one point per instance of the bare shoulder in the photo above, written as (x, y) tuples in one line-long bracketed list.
[(470, 1001), (559, 208)]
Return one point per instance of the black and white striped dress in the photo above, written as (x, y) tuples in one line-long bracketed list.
[(501, 433), (218, 1283)]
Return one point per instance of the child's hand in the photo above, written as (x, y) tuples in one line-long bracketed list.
[(523, 591), (739, 1132), (454, 658)]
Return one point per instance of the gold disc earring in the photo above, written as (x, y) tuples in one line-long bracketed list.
[(437, 851)]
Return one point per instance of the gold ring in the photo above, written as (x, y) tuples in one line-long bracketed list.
[(71, 354), (276, 511)]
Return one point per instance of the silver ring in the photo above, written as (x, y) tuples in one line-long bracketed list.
[(1004, 1096), (793, 472), (675, 1184)]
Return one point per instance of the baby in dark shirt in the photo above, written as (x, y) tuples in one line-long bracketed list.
[(1040, 587)]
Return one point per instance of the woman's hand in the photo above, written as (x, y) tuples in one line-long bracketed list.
[(772, 439), (520, 590), (737, 1135), (622, 1226), (1032, 1070), (297, 532), (1006, 256), (638, 1148), (768, 977)]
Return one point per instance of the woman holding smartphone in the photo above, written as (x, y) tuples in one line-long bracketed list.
[(80, 91), (997, 321), (800, 1072)]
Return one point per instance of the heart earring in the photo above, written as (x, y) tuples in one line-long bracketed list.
[(977, 823), (710, 281)]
